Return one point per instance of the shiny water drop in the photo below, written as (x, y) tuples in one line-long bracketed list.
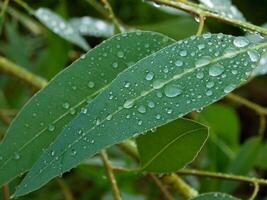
[(115, 65), (127, 84), (149, 76), (51, 128), (172, 90), (66, 105), (109, 117), (91, 84), (203, 61), (210, 84), (179, 63), (209, 93), (151, 104), (200, 75), (183, 53), (254, 55), (216, 70), (241, 42), (158, 116), (157, 84), (16, 156), (128, 103), (229, 88), (53, 153), (120, 54), (141, 109)]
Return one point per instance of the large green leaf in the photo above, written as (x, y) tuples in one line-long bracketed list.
[(60, 27), (156, 90), (214, 196), (172, 146), (42, 119), (245, 160)]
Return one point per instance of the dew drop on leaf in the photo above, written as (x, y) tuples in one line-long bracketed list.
[(128, 103), (229, 88), (91, 84), (141, 109), (172, 90), (149, 76), (241, 42), (179, 63), (216, 70)]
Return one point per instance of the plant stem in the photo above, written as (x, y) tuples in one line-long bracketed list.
[(201, 24), (24, 5), (112, 16), (200, 10), (185, 190), (222, 176), (98, 7), (110, 174), (5, 190), (128, 147), (262, 125), (65, 189), (255, 191), (166, 193), (11, 68), (259, 109)]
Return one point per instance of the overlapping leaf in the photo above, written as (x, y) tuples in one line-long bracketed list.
[(171, 146), (42, 119), (60, 26), (156, 90)]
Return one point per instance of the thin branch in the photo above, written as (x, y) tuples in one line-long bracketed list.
[(110, 174), (201, 24), (11, 68), (163, 189), (6, 195), (179, 184), (262, 125), (222, 176), (255, 191), (98, 6), (259, 109), (65, 189), (117, 26), (199, 10), (24, 5)]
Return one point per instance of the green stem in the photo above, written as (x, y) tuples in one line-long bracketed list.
[(98, 7), (201, 25), (222, 176), (259, 109), (185, 190), (11, 68), (199, 10), (65, 189), (24, 5), (110, 174), (255, 191)]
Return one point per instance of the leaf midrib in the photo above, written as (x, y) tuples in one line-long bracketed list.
[(169, 144), (261, 45)]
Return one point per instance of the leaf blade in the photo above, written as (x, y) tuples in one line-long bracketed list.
[(100, 131)]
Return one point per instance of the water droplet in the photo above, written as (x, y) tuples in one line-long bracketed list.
[(200, 75), (120, 54), (115, 65), (141, 109), (158, 84), (109, 117), (254, 55), (151, 104), (179, 63), (73, 153), (229, 88), (127, 84), (210, 84), (149, 76), (209, 93), (84, 110), (91, 84), (16, 156), (241, 42), (53, 153), (183, 53), (203, 61), (158, 116), (216, 70), (172, 90), (51, 128), (128, 103), (66, 105), (140, 122), (201, 46)]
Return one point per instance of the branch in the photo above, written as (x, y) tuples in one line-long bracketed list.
[(222, 176), (201, 24), (110, 174), (200, 10), (11, 68), (65, 189)]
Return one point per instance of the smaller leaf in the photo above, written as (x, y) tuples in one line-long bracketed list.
[(213, 196), (91, 26), (261, 159), (243, 163), (224, 8), (172, 146), (60, 27)]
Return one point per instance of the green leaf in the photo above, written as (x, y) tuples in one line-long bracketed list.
[(156, 90), (214, 195), (171, 146), (224, 8), (42, 119), (60, 27), (245, 160), (261, 159), (216, 116), (91, 26)]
